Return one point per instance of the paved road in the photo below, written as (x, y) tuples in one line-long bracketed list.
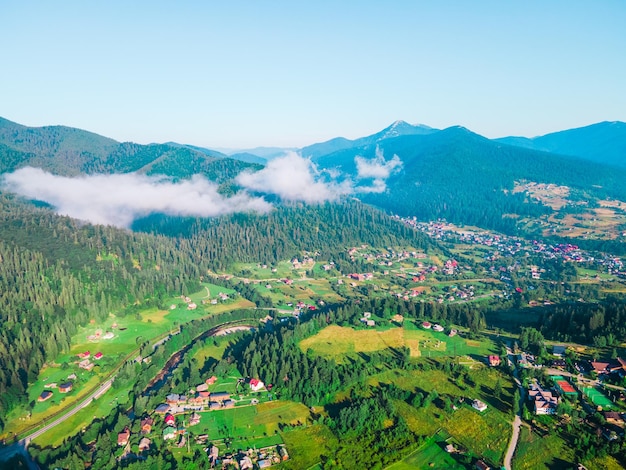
[(21, 446), (517, 421)]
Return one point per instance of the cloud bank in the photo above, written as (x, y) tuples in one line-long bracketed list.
[(378, 169), (293, 178), (119, 199)]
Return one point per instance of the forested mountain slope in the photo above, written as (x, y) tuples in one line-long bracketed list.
[(68, 151), (604, 142), (463, 177), (57, 274)]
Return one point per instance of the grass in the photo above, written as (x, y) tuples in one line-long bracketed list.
[(306, 445), (487, 433), (336, 342), (538, 453), (429, 455), (250, 426)]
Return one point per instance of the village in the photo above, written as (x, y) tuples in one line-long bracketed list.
[(174, 422)]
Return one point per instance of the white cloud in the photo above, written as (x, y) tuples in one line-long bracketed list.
[(121, 198), (293, 178), (377, 167)]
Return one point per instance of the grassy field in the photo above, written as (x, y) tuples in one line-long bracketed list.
[(538, 453), (306, 445), (430, 455), (336, 342), (487, 433), (249, 426)]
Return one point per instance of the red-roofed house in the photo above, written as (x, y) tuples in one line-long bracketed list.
[(97, 356), (123, 437), (494, 361), (256, 385), (170, 420), (84, 355)]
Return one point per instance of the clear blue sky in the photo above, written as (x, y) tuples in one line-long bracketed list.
[(247, 73)]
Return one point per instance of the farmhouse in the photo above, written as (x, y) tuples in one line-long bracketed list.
[(481, 465), (146, 425), (123, 437), (85, 364), (66, 387), (97, 356), (144, 444), (45, 395), (162, 409), (256, 385), (479, 405), (194, 419), (438, 328), (494, 361), (220, 396), (169, 433), (84, 355), (170, 420)]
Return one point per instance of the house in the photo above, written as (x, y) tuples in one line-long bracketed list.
[(85, 364), (45, 395), (600, 367), (494, 360), (613, 417), (108, 335), (426, 325), (84, 355), (123, 437), (256, 385), (220, 396), (194, 419), (479, 405), (214, 405), (146, 425), (452, 333), (482, 465), (284, 455), (545, 402), (172, 398), (162, 409), (169, 433), (97, 356), (211, 380), (229, 403), (438, 328), (170, 420), (264, 463), (202, 388), (66, 387), (192, 306), (144, 444)]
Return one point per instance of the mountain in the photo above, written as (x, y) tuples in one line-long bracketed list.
[(248, 158), (267, 153), (69, 151), (466, 178), (604, 142), (398, 128)]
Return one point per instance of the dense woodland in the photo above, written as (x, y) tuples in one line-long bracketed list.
[(57, 274)]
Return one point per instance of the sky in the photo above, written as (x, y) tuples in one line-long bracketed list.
[(242, 74)]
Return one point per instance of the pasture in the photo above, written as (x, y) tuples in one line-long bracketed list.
[(337, 342)]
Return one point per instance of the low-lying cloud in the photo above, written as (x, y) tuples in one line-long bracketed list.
[(119, 199), (378, 169), (293, 178)]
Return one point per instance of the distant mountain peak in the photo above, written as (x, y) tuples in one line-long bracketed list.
[(400, 127)]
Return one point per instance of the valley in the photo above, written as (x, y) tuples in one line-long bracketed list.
[(325, 332)]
